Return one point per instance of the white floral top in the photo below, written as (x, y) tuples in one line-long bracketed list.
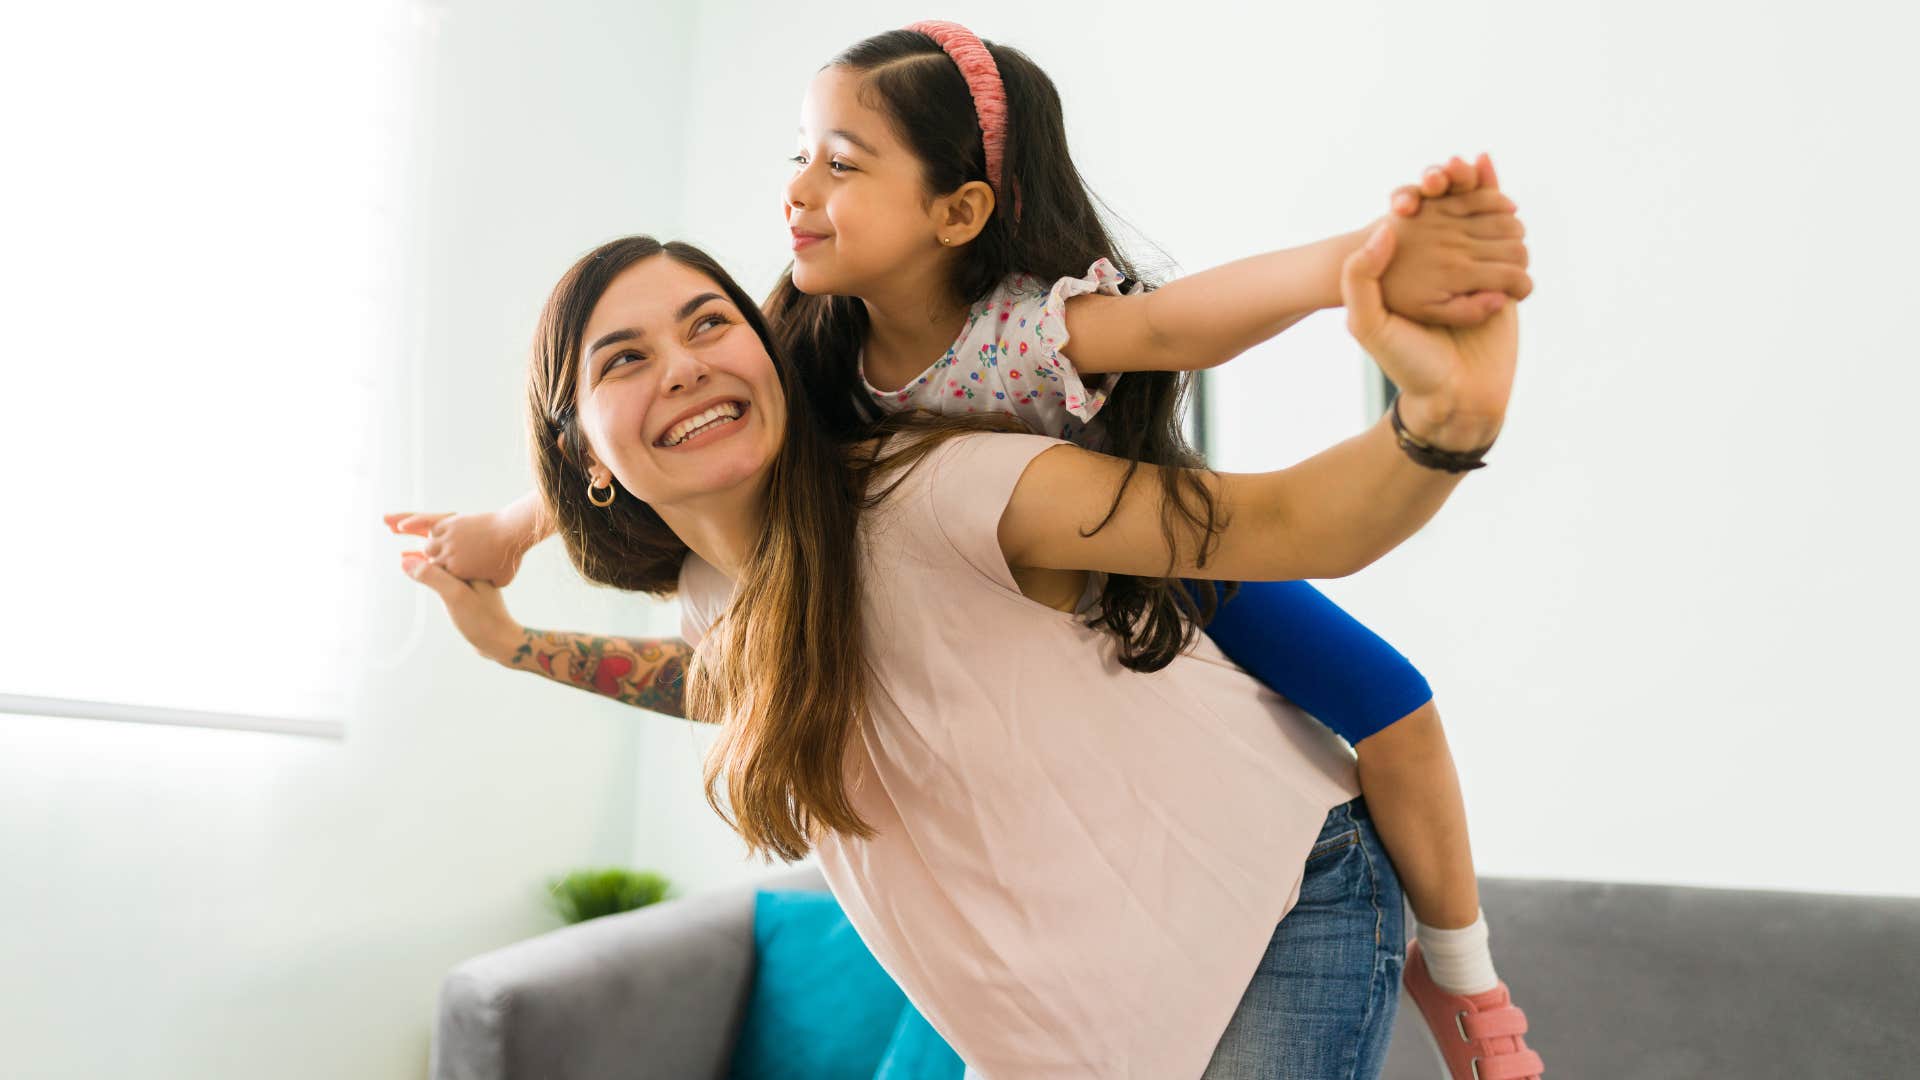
[(1009, 359)]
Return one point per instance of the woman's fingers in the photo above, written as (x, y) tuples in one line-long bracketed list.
[(1405, 200), (1360, 284)]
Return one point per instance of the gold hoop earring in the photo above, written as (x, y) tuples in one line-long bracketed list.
[(597, 502)]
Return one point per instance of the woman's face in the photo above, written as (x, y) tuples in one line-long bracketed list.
[(857, 203), (677, 395)]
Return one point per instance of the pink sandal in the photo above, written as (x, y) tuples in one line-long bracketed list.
[(1478, 1037)]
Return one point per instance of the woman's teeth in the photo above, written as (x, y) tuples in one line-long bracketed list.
[(724, 413)]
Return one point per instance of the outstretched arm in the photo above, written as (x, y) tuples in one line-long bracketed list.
[(1461, 255), (1328, 516), (646, 672)]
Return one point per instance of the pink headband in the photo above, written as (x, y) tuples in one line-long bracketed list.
[(970, 55)]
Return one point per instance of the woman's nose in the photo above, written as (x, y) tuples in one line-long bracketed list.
[(684, 371)]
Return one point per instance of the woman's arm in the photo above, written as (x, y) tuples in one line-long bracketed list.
[(650, 673), (1457, 253), (646, 672), (1328, 516)]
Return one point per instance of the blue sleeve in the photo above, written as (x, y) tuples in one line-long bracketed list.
[(1291, 637)]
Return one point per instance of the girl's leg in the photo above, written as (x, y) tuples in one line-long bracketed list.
[(1291, 637), (1322, 1003), (1413, 793)]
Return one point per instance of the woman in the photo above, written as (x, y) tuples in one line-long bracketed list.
[(1070, 867)]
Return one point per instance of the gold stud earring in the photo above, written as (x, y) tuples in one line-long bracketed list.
[(591, 486), (946, 239)]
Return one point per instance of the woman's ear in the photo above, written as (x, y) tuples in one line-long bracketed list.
[(959, 217), (599, 475)]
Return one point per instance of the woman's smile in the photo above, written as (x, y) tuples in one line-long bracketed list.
[(704, 425)]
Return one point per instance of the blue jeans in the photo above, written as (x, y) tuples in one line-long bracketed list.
[(1322, 1002)]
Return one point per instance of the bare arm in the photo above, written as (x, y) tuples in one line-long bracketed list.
[(647, 672), (650, 673), (1328, 516), (1456, 253)]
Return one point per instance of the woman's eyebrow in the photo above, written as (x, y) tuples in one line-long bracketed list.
[(615, 337)]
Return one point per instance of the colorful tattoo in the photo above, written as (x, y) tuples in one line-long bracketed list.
[(647, 672)]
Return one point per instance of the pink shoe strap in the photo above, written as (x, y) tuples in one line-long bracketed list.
[(1520, 1065), (1505, 1022)]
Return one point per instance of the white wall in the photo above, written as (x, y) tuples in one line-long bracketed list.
[(192, 904), (1667, 624)]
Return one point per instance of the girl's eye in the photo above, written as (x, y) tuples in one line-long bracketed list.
[(798, 159), (839, 166)]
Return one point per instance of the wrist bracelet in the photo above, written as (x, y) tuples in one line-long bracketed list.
[(1432, 457)]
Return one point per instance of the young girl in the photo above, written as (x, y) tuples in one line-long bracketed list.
[(1070, 868), (936, 215)]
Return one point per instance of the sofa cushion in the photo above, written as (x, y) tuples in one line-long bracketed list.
[(917, 1052), (822, 1008)]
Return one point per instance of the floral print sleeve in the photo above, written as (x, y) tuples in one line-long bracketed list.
[(1009, 358)]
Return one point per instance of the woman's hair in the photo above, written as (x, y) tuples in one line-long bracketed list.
[(1057, 233), (782, 670)]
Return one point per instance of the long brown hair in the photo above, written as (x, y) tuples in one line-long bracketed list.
[(782, 671), (1058, 232)]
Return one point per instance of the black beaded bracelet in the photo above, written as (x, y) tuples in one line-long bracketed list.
[(1432, 457)]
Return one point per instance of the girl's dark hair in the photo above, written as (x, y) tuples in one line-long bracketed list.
[(1058, 233)]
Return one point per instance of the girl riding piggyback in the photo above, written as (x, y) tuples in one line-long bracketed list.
[(948, 256)]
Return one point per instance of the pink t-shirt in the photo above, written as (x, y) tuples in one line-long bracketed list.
[(1077, 867)]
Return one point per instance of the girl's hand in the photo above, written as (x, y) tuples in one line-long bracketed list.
[(1454, 382), (474, 547), (1462, 252), (475, 606)]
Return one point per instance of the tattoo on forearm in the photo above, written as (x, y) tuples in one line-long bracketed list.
[(648, 672)]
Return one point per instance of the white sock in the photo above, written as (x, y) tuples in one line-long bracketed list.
[(1459, 960)]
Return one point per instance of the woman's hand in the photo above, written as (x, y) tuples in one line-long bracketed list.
[(1454, 381), (475, 607), (486, 546)]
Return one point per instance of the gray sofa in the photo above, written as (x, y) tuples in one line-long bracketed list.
[(1621, 982)]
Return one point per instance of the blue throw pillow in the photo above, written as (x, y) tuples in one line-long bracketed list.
[(917, 1052), (822, 1007)]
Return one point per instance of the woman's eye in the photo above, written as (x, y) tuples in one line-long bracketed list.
[(708, 321), (620, 360)]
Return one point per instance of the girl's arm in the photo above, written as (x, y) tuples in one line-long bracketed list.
[(1458, 254), (647, 672), (1328, 516)]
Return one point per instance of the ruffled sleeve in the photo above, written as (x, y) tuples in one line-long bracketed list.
[(1065, 401)]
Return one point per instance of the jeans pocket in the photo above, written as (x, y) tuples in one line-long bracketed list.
[(1328, 845)]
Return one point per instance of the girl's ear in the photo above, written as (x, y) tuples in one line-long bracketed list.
[(959, 217)]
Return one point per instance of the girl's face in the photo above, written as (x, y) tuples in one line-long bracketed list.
[(677, 395), (857, 203)]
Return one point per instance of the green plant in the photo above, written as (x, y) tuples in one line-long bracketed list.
[(589, 894)]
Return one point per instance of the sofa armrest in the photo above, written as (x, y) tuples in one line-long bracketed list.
[(651, 993)]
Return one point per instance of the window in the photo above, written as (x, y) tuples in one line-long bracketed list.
[(207, 357)]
